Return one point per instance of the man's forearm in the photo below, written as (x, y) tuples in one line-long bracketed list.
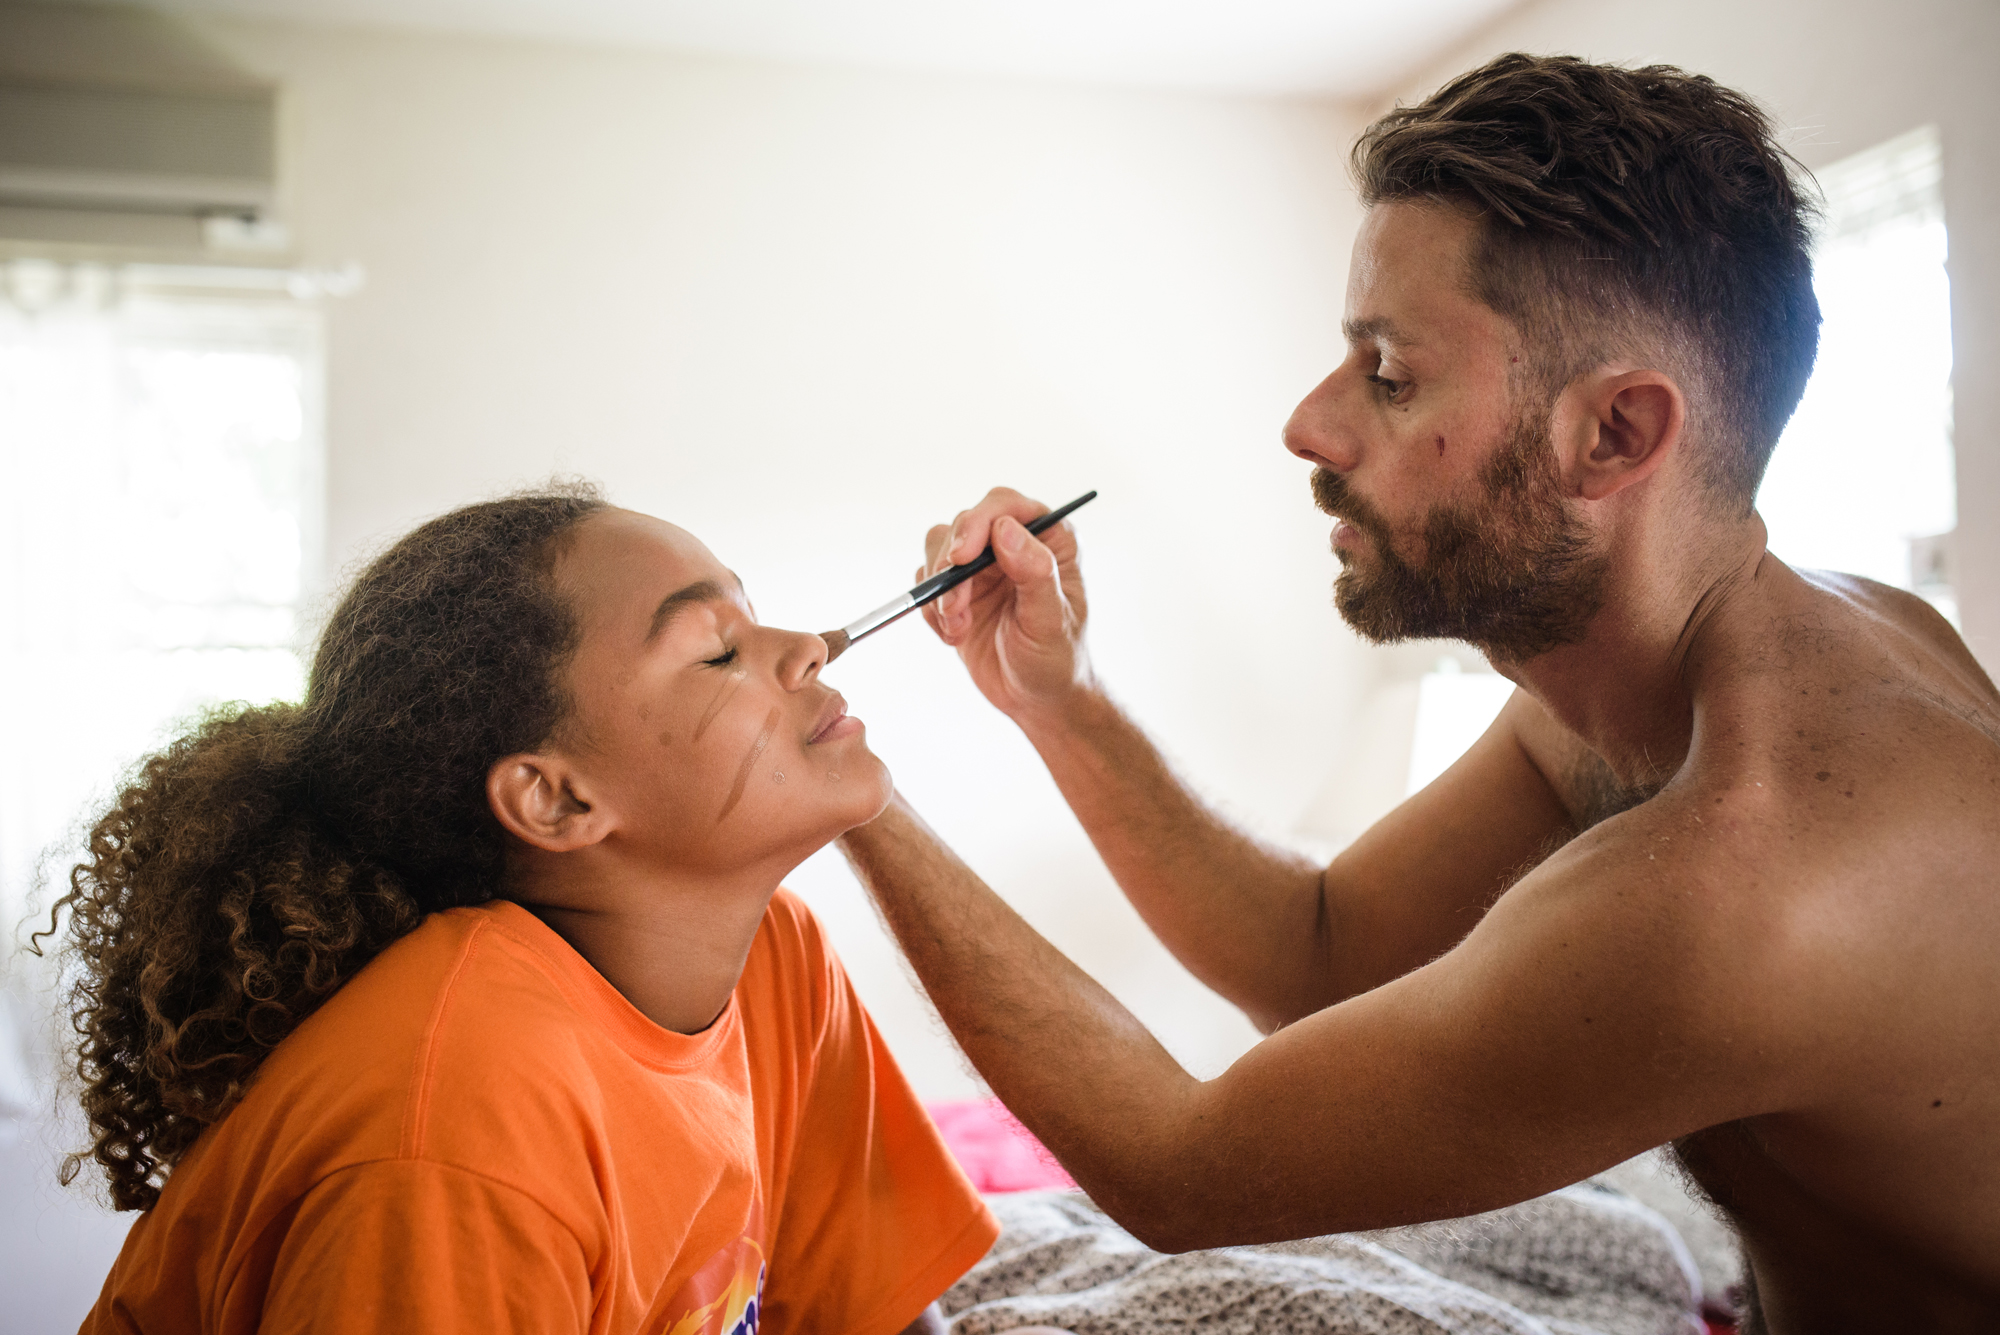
[(1071, 1062), (1245, 918)]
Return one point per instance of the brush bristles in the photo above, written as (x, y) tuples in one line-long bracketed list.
[(836, 644)]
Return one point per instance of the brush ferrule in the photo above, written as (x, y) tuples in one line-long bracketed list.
[(880, 617)]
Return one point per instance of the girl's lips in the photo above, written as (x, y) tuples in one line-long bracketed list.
[(834, 722)]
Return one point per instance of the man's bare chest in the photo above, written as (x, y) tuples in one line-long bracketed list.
[(1816, 1262)]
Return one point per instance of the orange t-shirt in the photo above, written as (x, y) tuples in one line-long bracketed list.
[(479, 1133)]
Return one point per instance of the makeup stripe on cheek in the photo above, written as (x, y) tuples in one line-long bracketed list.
[(749, 761), (722, 697)]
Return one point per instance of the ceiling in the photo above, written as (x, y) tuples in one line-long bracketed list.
[(1328, 48)]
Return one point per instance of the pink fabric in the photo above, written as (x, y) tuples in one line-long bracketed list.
[(997, 1152)]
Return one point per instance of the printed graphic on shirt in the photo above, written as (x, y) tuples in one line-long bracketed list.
[(724, 1297)]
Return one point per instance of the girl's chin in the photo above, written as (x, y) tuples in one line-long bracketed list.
[(852, 792), (874, 780)]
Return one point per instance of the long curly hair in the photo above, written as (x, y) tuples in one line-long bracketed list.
[(253, 866)]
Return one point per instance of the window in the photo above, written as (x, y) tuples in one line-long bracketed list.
[(1863, 479), (159, 429)]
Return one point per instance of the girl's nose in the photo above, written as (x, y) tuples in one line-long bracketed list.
[(800, 658)]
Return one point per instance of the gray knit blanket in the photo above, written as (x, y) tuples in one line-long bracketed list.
[(1586, 1260)]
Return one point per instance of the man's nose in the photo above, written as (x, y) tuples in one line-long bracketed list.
[(1314, 431)]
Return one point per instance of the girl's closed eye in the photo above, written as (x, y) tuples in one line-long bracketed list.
[(723, 659)]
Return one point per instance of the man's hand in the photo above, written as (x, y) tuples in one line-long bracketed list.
[(1019, 625), (1243, 917)]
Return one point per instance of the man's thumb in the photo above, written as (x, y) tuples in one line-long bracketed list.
[(1031, 568)]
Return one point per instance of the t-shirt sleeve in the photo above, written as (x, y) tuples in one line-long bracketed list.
[(877, 1219), (401, 1245)]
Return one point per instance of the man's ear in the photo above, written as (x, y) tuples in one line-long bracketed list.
[(537, 798), (1630, 422)]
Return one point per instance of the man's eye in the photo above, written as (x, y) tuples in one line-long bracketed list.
[(1392, 389), (723, 659)]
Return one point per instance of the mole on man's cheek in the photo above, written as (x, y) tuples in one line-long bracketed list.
[(1440, 447)]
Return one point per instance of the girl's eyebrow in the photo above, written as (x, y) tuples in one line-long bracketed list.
[(701, 591)]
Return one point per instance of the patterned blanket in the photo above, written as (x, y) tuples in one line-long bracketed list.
[(1586, 1260)]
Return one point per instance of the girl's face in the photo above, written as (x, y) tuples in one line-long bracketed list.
[(710, 739)]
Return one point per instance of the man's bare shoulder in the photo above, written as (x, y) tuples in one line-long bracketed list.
[(1830, 838), (1822, 628), (1858, 706), (1845, 758), (1829, 709), (1845, 775)]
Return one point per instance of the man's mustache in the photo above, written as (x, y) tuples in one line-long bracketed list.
[(1337, 500)]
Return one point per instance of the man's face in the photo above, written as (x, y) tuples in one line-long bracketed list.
[(1454, 523)]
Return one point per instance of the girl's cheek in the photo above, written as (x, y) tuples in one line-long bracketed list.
[(754, 762), (725, 692)]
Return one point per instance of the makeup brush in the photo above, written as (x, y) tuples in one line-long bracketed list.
[(837, 641)]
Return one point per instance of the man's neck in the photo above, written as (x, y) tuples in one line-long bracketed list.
[(1629, 689), (673, 945)]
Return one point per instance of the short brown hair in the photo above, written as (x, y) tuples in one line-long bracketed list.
[(1622, 206)]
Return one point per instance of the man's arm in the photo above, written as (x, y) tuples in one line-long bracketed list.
[(1280, 936), (1274, 933), (1557, 1039)]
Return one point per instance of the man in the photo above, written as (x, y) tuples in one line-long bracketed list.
[(1722, 874)]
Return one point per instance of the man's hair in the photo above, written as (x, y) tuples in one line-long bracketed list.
[(1625, 211)]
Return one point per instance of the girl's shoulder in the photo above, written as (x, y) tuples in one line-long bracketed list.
[(463, 999)]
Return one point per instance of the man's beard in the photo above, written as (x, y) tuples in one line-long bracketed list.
[(1512, 574)]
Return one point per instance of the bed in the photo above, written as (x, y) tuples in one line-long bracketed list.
[(1627, 1253)]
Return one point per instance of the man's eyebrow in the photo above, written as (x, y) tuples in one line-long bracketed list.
[(1372, 328), (701, 591)]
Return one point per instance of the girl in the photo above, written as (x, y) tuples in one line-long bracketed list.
[(463, 996)]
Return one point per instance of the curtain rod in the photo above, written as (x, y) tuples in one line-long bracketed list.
[(32, 282)]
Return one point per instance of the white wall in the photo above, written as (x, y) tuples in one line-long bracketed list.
[(808, 313), (1841, 76)]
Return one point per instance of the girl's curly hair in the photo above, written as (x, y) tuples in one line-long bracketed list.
[(254, 865)]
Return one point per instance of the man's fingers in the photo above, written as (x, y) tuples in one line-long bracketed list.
[(934, 545), (972, 531), (931, 612), (1031, 568), (946, 613)]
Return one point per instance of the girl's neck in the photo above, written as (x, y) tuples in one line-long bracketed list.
[(673, 946)]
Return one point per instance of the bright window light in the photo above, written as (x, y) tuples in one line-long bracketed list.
[(163, 460), (1862, 480), (1453, 707)]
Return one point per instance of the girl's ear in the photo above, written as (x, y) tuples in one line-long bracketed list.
[(540, 800)]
